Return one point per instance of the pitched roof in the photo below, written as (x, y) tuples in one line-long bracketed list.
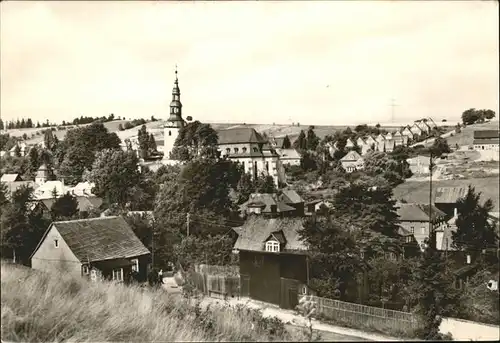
[(9, 178), (84, 203), (449, 195), (486, 134), (486, 141), (279, 141), (253, 234), (267, 200), (418, 212), (46, 189), (286, 154), (351, 156), (14, 186), (291, 197), (99, 239), (239, 135)]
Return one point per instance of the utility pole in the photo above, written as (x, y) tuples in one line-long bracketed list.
[(187, 223), (431, 228), (393, 105), (152, 244)]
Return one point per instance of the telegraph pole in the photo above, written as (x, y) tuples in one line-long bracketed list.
[(152, 244), (431, 228), (187, 224)]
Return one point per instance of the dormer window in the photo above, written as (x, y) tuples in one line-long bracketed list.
[(236, 150), (272, 246), (56, 243), (85, 269)]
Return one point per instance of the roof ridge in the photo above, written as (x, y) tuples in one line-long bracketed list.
[(85, 220)]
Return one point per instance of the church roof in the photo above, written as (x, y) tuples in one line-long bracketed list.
[(240, 135)]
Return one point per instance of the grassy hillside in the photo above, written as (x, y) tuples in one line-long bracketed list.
[(39, 307), (466, 136), (414, 191)]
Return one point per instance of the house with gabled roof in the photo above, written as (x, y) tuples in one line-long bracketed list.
[(349, 144), (289, 157), (408, 133), (399, 139), (389, 142), (486, 140), (246, 146), (273, 260), (380, 142), (446, 199), (98, 248), (416, 130), (10, 178), (352, 161), (365, 147), (371, 142), (286, 204), (416, 218)]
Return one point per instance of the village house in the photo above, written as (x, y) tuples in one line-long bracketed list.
[(380, 143), (317, 206), (371, 142), (286, 204), (273, 264), (389, 142), (289, 157), (246, 146), (97, 248), (349, 144), (416, 130), (422, 124), (446, 198), (352, 161), (419, 165), (85, 204), (23, 149), (486, 140), (398, 139), (11, 178), (365, 147), (416, 219), (406, 132)]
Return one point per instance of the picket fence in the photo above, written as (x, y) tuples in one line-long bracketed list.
[(362, 315)]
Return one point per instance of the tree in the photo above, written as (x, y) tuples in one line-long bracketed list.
[(29, 123), (472, 116), (312, 139), (79, 148), (34, 160), (48, 139), (435, 293), (64, 208), (212, 250), (330, 239), (286, 143), (265, 184), (195, 140), (1, 124), (17, 151), (394, 170), (368, 202), (120, 127), (143, 138), (152, 143), (115, 175), (439, 147), (474, 231), (301, 142)]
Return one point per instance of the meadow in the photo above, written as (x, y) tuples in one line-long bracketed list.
[(41, 307)]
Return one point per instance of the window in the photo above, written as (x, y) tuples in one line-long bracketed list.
[(85, 270), (93, 275), (170, 133), (408, 239), (56, 243), (255, 149), (244, 150), (236, 150), (228, 150), (412, 229), (135, 266), (118, 274), (272, 246), (303, 290), (423, 230), (267, 167)]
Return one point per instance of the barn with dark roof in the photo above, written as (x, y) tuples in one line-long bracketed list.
[(97, 248)]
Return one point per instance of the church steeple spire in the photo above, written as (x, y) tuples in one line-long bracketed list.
[(175, 119)]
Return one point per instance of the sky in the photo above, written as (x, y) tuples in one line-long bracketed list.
[(323, 63)]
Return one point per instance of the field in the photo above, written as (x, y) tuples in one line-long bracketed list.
[(38, 307), (466, 136), (414, 191)]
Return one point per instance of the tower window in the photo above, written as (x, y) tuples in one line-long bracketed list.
[(236, 150), (244, 150), (255, 149), (56, 243), (170, 133), (228, 150)]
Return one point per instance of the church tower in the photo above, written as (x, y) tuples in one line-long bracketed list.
[(175, 121)]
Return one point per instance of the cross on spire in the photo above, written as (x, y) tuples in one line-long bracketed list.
[(176, 72)]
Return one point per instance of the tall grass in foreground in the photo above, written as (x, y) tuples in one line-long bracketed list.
[(41, 307)]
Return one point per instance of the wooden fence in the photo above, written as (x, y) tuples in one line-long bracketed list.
[(361, 315), (217, 280)]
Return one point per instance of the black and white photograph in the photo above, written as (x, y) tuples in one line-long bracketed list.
[(293, 171)]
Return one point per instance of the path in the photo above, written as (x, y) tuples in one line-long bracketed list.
[(290, 317)]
